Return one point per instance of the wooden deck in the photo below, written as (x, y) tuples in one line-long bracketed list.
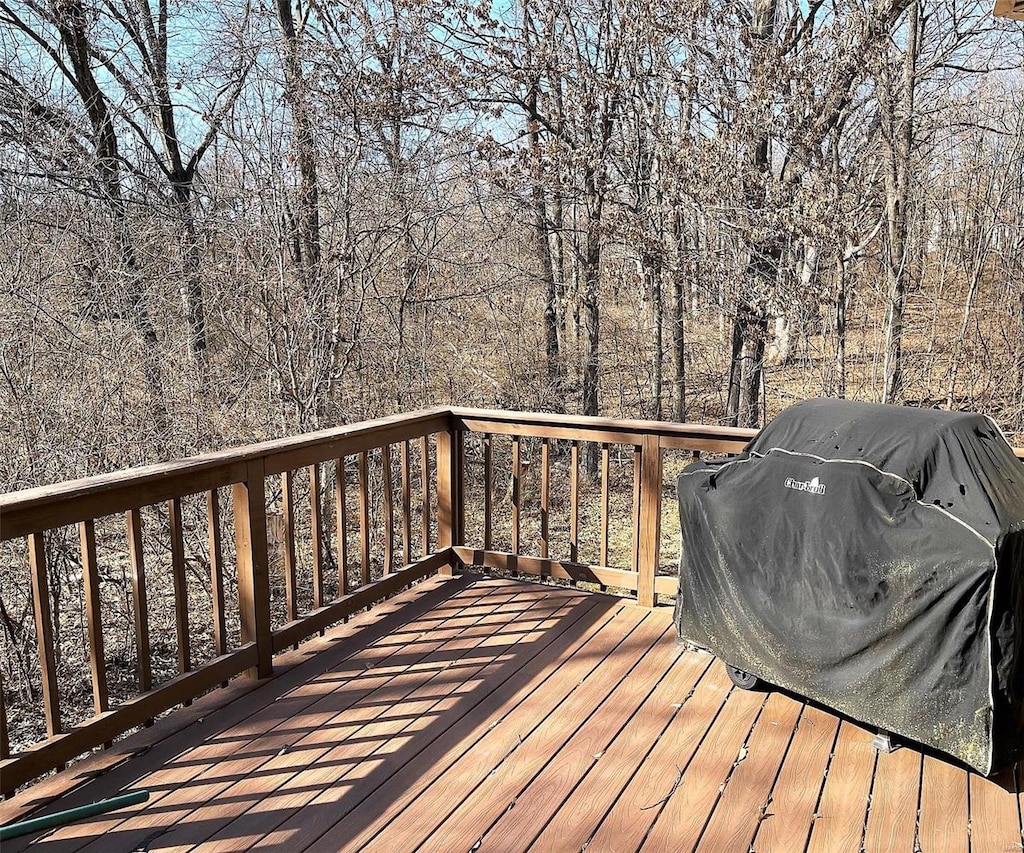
[(474, 713)]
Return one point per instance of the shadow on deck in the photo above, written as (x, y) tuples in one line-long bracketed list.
[(474, 713)]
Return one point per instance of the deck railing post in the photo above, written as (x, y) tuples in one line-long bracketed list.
[(450, 509), (250, 506), (649, 519)]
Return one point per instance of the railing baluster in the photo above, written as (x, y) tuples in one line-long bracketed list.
[(406, 506), (605, 494), (5, 741), (389, 515), (291, 601), (517, 473), (44, 632), (180, 586), (93, 617), (637, 462), (220, 634), (250, 503), (139, 598), (449, 494), (425, 494), (364, 516), (545, 476), (341, 520), (488, 497), (650, 520), (574, 503), (316, 523)]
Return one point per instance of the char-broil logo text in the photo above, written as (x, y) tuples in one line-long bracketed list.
[(812, 486)]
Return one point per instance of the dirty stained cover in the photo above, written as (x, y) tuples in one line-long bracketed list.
[(870, 558)]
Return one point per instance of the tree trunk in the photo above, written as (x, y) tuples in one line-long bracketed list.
[(652, 272), (306, 222), (71, 24), (191, 287), (592, 327), (679, 326), (542, 242), (840, 326), (900, 137)]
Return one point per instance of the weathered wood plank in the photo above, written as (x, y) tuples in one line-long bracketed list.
[(316, 535), (579, 428), (746, 798), (406, 505), (181, 611), (250, 508), (389, 509), (364, 518), (574, 503), (995, 816), (562, 569), (516, 491), (790, 814), (216, 549), (417, 699), (5, 740), (682, 819), (649, 520), (148, 749), (579, 816), (661, 774), (422, 738), (291, 599), (545, 793), (892, 815), (462, 818), (44, 632), (341, 525), (488, 491), (425, 494), (140, 604), (844, 798), (545, 496), (93, 616), (943, 822), (265, 726), (605, 496), (47, 507)]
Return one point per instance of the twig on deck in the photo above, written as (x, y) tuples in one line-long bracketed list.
[(665, 799)]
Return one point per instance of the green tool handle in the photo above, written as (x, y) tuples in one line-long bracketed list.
[(49, 821)]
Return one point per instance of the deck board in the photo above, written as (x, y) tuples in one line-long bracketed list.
[(840, 821), (682, 819), (597, 793), (892, 814), (943, 808), (744, 802), (790, 810), (496, 715)]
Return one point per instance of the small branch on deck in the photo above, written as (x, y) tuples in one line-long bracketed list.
[(665, 799)]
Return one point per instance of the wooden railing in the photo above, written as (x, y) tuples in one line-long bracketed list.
[(334, 497)]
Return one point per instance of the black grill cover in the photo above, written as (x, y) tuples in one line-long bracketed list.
[(870, 558)]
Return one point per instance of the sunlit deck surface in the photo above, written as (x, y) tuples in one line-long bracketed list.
[(475, 713)]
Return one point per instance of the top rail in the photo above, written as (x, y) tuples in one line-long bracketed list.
[(34, 510), (711, 439)]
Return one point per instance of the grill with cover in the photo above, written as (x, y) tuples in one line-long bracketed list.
[(870, 558)]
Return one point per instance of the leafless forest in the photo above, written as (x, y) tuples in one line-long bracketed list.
[(224, 222)]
